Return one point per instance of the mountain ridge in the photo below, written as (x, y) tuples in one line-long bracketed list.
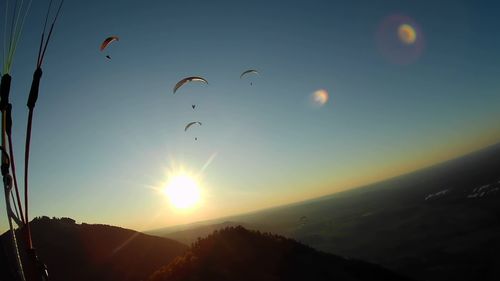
[(101, 252), (235, 253)]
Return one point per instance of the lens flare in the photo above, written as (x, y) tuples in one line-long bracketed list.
[(407, 34), (320, 97), (400, 39)]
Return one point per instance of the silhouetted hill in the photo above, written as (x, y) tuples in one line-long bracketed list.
[(238, 254), (190, 233), (99, 252), (439, 223)]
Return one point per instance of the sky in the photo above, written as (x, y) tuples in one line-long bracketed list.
[(107, 134)]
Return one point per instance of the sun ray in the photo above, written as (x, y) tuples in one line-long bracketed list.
[(209, 161)]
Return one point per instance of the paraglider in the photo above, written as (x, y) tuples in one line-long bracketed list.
[(108, 41), (250, 71), (247, 72), (191, 124), (187, 80), (193, 106)]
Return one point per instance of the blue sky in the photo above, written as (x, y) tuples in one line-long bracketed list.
[(105, 132)]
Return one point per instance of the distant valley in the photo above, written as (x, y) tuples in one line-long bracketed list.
[(440, 223)]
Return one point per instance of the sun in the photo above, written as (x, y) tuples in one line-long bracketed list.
[(183, 191)]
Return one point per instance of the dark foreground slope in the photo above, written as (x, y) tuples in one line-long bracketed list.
[(99, 252), (238, 254), (440, 223)]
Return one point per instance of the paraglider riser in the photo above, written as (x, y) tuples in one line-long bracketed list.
[(35, 86), (4, 91)]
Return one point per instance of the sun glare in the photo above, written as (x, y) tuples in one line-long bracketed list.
[(183, 191)]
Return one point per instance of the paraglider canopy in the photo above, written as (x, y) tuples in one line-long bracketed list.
[(187, 80), (108, 41), (250, 71), (191, 124)]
